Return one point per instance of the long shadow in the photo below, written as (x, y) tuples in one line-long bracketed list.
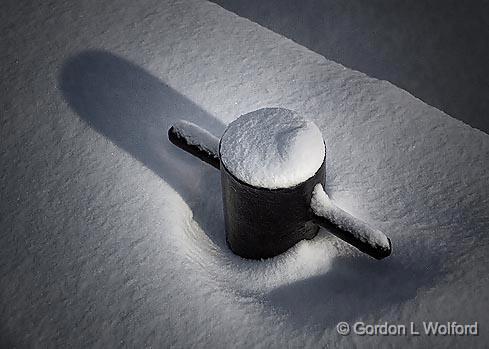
[(134, 110), (354, 288), (436, 50)]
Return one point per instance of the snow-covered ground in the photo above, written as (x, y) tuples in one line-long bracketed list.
[(437, 50), (111, 236)]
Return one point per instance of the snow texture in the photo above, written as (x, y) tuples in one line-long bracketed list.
[(196, 135), (112, 236), (322, 206), (436, 50), (272, 148)]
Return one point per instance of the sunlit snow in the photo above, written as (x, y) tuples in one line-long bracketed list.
[(111, 236)]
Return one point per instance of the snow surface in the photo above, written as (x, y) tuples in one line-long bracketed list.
[(112, 236), (272, 148), (436, 50), (324, 207), (196, 135)]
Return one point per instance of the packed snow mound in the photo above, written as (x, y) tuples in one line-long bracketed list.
[(272, 148), (322, 205)]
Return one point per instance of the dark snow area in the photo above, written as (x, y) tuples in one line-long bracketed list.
[(112, 236), (436, 50)]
